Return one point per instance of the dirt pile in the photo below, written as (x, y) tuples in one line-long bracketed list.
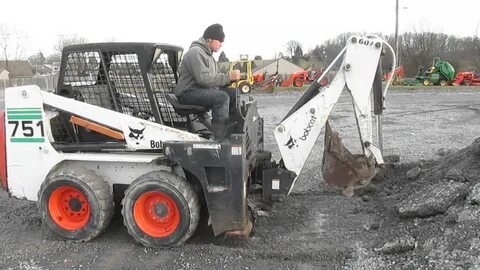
[(428, 215)]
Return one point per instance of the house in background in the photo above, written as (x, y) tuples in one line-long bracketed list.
[(15, 69), (282, 66), (52, 68), (4, 74)]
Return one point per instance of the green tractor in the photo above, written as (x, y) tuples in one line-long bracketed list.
[(440, 73)]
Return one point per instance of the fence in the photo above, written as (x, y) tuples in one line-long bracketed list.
[(47, 83)]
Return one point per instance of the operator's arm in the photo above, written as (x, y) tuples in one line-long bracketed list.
[(203, 74)]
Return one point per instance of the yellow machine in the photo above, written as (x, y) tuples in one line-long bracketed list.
[(245, 84)]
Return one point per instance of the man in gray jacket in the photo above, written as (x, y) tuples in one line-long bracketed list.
[(201, 83)]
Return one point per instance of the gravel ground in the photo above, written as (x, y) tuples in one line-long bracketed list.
[(433, 132)]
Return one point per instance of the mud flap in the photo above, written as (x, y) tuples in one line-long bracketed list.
[(341, 168)]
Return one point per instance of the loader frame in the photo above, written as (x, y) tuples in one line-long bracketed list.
[(114, 122), (110, 115)]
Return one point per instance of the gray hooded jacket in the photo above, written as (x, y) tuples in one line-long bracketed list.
[(199, 69)]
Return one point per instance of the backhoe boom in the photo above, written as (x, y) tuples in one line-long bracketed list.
[(299, 130)]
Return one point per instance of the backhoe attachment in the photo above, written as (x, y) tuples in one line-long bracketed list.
[(343, 169), (360, 74)]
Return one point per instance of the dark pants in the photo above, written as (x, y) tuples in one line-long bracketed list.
[(221, 101)]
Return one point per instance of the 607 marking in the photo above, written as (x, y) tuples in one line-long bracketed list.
[(28, 128), (365, 42)]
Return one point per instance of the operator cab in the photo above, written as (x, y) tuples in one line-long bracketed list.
[(136, 79)]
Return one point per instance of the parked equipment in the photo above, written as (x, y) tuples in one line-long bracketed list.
[(467, 78), (398, 75), (246, 82), (113, 125), (267, 83), (440, 73), (299, 78)]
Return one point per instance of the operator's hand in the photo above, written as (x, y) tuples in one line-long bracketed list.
[(234, 75)]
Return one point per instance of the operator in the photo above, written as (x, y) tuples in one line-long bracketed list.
[(201, 83)]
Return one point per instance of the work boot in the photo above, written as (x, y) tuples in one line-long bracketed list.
[(206, 120), (221, 130)]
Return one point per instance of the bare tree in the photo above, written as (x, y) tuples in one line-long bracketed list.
[(37, 59), (292, 47), (66, 41), (476, 52), (4, 38), (56, 57), (10, 44)]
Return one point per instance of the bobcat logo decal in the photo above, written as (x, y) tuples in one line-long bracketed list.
[(136, 134), (292, 142)]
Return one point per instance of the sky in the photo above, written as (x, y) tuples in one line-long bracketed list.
[(251, 27)]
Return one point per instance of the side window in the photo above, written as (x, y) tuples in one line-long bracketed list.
[(82, 68), (85, 75), (162, 75), (124, 71), (128, 84), (162, 78)]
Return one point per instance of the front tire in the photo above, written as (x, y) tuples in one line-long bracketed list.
[(76, 205), (160, 209), (426, 82), (245, 88), (298, 82)]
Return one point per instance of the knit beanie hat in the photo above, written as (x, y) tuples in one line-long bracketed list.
[(214, 31)]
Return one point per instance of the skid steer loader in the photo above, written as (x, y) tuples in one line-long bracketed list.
[(113, 126)]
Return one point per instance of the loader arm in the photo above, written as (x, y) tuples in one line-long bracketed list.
[(297, 133), (153, 134)]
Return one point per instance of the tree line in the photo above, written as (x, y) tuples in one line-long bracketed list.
[(415, 49)]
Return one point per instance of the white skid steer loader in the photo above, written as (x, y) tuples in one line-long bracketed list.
[(113, 127)]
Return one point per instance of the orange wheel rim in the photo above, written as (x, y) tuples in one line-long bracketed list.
[(156, 214), (69, 208)]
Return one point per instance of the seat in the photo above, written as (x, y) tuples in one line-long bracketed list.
[(182, 109)]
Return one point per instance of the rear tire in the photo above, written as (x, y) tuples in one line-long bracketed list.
[(160, 209), (443, 82), (76, 205)]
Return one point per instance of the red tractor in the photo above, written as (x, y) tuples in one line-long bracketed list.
[(299, 78), (398, 73), (266, 82), (467, 78)]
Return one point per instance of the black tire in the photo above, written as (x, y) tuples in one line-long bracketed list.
[(245, 88), (89, 200), (182, 203), (426, 82), (443, 82), (298, 82)]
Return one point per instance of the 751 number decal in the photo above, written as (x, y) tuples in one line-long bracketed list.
[(27, 131)]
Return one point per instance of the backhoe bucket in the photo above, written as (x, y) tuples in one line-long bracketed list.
[(341, 168)]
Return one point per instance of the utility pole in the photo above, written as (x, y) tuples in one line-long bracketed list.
[(396, 34)]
